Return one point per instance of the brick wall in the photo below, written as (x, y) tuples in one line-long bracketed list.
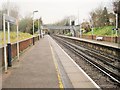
[(105, 38), (24, 44)]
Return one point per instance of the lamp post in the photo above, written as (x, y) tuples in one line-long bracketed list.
[(80, 31), (117, 12), (39, 27), (92, 27), (33, 27)]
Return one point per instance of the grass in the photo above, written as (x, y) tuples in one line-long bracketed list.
[(13, 36), (68, 34), (103, 31)]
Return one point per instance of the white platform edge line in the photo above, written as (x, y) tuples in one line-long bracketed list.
[(79, 67)]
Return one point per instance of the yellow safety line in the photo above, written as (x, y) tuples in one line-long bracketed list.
[(56, 67)]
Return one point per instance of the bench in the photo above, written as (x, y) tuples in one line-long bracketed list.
[(99, 38)]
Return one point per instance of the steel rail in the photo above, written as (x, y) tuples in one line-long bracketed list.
[(89, 59)]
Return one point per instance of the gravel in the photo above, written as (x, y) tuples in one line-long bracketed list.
[(103, 81)]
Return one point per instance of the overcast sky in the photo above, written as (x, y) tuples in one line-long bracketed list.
[(54, 10)]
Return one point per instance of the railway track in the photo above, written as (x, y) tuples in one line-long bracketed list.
[(104, 64)]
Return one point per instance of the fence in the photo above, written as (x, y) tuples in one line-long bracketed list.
[(105, 38), (24, 44)]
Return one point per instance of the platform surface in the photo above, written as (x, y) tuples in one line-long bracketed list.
[(46, 65), (77, 76), (36, 69), (104, 43)]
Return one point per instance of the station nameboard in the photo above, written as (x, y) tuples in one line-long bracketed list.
[(10, 19)]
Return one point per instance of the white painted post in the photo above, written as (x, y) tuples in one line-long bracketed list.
[(92, 27), (112, 37), (70, 26), (33, 29), (39, 28), (80, 31), (41, 31), (8, 32), (8, 24), (17, 40), (92, 30), (5, 57)]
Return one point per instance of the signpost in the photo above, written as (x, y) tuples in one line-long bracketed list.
[(17, 38), (5, 57), (11, 20)]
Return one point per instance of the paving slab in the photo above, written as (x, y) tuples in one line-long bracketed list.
[(36, 69), (77, 76)]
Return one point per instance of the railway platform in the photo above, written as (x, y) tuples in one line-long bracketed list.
[(104, 43), (46, 65)]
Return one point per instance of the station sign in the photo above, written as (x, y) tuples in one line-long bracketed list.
[(10, 19)]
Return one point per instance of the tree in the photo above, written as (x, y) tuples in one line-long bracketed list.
[(96, 16), (25, 25), (13, 11), (100, 17), (65, 21), (86, 26), (92, 18), (105, 17)]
